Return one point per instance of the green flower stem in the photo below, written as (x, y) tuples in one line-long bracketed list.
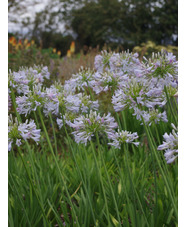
[(28, 147), (42, 209), (60, 174), (101, 180), (124, 120), (109, 181), (170, 106), (91, 94), (118, 120), (14, 105), (161, 170), (19, 197), (37, 124), (54, 134), (162, 158), (79, 171), (132, 184), (126, 193)]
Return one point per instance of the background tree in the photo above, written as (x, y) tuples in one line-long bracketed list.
[(114, 22)]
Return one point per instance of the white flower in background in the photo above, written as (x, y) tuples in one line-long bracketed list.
[(170, 145)]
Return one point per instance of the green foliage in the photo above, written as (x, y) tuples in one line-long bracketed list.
[(126, 23)]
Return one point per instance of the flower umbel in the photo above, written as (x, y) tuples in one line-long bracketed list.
[(87, 126), (170, 145), (17, 132), (122, 137)]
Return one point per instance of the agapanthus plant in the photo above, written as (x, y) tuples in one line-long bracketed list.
[(122, 137), (81, 80), (87, 126), (36, 74), (26, 78), (108, 80), (149, 116), (125, 62), (170, 145), (19, 132), (80, 103), (30, 101), (18, 81), (164, 67)]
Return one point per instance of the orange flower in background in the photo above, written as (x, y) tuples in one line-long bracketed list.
[(17, 47), (72, 47), (28, 45), (25, 42), (19, 43), (54, 50), (14, 43), (12, 40), (59, 53), (68, 53)]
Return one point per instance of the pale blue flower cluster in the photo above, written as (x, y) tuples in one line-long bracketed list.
[(30, 101), (170, 145), (122, 137), (87, 126), (17, 132), (81, 80), (26, 78), (143, 91), (133, 84)]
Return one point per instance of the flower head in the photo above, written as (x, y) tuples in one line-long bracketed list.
[(30, 101), (170, 145), (122, 137), (87, 126), (80, 80), (18, 132)]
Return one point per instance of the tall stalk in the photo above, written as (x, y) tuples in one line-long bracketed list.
[(57, 165), (77, 166), (28, 174), (109, 181), (161, 169), (101, 180)]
